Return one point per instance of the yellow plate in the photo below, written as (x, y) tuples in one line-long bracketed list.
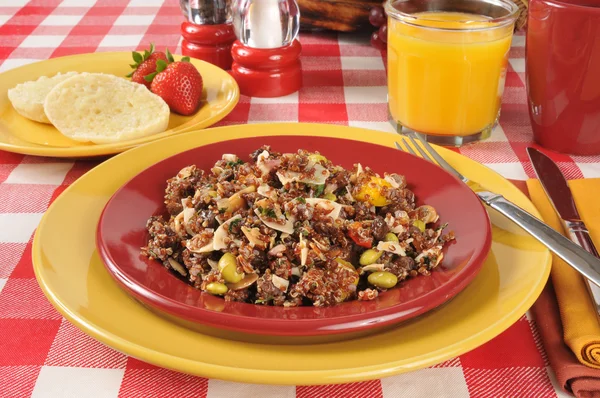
[(21, 135), (73, 278)]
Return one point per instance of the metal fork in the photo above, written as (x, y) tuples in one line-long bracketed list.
[(578, 258)]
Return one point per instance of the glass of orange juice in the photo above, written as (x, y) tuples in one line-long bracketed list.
[(447, 64)]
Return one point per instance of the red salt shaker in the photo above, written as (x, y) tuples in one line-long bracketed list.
[(208, 33), (266, 56)]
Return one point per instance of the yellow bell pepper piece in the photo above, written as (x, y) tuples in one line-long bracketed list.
[(372, 192)]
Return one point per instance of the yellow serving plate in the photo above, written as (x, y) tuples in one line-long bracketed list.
[(21, 135), (73, 278)]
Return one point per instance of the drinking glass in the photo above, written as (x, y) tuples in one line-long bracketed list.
[(447, 63)]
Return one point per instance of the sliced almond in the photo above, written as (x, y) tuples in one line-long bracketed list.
[(221, 234), (280, 283), (391, 247), (316, 175), (177, 267), (334, 208), (287, 227)]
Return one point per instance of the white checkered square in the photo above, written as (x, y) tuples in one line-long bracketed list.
[(145, 3), (121, 40), (362, 63), (18, 227), (39, 173), (61, 20), (15, 3), (57, 381), (2, 283), (513, 170), (77, 3), (4, 18), (497, 135), (287, 99), (225, 389), (518, 41), (366, 95), (589, 170), (134, 20), (15, 63), (378, 126), (518, 64), (425, 383), (42, 41)]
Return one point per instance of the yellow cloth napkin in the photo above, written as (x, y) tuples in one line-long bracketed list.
[(577, 310)]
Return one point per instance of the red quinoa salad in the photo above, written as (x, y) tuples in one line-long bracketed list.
[(293, 229)]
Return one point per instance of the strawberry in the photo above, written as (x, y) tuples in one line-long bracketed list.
[(145, 65), (178, 83)]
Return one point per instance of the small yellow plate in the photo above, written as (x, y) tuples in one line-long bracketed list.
[(73, 278), (21, 135)]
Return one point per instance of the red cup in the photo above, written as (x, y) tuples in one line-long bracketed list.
[(563, 74)]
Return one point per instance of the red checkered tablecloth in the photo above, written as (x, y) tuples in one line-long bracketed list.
[(43, 355)]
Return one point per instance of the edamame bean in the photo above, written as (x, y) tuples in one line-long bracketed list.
[(216, 288), (383, 279), (345, 263), (369, 256), (348, 265), (228, 267), (391, 237), (330, 196), (317, 158), (419, 224)]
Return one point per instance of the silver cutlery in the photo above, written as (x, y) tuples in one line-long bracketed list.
[(558, 191), (585, 263)]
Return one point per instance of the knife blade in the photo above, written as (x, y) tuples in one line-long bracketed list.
[(557, 190)]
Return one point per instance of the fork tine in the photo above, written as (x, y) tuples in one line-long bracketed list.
[(423, 153), (440, 160), (405, 147)]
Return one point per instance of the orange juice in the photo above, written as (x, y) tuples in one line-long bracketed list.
[(446, 72)]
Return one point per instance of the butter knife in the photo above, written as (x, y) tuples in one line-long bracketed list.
[(558, 191)]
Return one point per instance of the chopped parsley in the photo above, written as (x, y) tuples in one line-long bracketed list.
[(304, 232), (222, 210), (318, 189), (301, 199), (236, 163), (234, 223), (268, 212)]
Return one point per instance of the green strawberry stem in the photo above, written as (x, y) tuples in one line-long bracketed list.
[(169, 55), (137, 57), (160, 65)]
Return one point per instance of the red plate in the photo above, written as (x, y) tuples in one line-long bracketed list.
[(121, 233)]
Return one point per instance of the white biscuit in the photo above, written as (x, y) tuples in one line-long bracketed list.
[(105, 109), (28, 98)]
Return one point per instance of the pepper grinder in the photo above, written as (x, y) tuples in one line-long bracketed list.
[(266, 54), (208, 33)]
